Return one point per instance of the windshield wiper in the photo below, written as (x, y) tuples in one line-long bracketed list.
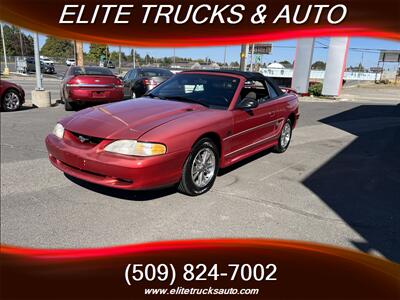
[(184, 99)]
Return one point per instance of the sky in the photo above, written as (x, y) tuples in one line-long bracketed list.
[(281, 50)]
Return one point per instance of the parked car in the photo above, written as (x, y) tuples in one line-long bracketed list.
[(70, 62), (12, 96), (181, 132), (90, 84), (107, 64), (46, 60), (45, 68), (140, 80)]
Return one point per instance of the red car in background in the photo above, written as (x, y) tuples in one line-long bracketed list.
[(90, 85), (182, 131), (12, 96)]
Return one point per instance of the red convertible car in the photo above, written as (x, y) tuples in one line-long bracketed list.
[(180, 133)]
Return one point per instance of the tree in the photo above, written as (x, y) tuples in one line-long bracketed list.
[(318, 65), (12, 40), (96, 51), (286, 64), (54, 47)]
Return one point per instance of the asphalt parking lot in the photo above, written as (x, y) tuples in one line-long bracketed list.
[(339, 183)]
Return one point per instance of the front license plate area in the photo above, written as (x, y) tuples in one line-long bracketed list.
[(74, 160)]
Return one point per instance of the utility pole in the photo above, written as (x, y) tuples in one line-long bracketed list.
[(243, 54), (6, 71), (79, 53), (174, 57), (119, 60), (21, 42), (74, 45)]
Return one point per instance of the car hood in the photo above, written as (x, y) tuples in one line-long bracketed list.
[(128, 119)]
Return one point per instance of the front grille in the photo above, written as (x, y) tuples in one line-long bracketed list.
[(86, 138)]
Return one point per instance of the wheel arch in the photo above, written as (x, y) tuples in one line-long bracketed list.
[(215, 138)]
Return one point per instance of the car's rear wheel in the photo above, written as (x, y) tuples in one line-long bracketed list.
[(68, 105), (133, 94), (11, 101), (200, 169), (284, 138)]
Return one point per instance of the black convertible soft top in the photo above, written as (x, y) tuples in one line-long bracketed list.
[(246, 75)]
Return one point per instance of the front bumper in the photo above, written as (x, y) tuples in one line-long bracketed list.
[(118, 171)]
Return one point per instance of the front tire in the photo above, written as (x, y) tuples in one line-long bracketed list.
[(133, 94), (200, 169), (284, 138), (11, 101)]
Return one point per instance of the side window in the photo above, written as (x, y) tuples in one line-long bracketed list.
[(133, 74), (272, 93), (255, 89), (127, 75)]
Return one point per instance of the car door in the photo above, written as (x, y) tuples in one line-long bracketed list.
[(127, 83), (255, 127)]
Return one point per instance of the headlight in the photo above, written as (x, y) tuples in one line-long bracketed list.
[(132, 147), (58, 131)]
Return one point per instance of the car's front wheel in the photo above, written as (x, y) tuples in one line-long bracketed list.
[(200, 169), (284, 138), (11, 101)]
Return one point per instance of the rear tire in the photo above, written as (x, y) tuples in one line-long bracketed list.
[(133, 94), (68, 105), (11, 100), (284, 138), (200, 169)]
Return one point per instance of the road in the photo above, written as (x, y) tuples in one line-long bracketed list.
[(339, 183)]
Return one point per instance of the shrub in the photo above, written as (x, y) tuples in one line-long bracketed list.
[(315, 89)]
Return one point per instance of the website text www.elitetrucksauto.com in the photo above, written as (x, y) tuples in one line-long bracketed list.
[(200, 291)]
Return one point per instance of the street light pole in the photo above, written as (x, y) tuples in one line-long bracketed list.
[(39, 86), (40, 97), (6, 71)]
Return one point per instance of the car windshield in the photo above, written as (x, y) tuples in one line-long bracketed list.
[(91, 71), (213, 91), (156, 73)]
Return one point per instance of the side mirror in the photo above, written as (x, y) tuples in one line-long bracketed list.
[(248, 103)]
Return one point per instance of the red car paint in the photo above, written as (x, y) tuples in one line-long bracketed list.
[(7, 85), (178, 125), (91, 88)]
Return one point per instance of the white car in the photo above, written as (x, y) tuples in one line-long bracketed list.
[(46, 60), (70, 62)]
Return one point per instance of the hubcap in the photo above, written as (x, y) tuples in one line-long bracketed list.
[(11, 101), (285, 136), (203, 167)]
